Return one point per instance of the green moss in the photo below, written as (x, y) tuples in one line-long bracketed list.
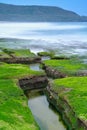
[(14, 113), (74, 89), (16, 71), (3, 55), (23, 53), (70, 67), (49, 53), (59, 57), (17, 52), (7, 51)]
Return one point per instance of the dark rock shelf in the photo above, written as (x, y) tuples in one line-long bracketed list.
[(33, 83), (22, 60)]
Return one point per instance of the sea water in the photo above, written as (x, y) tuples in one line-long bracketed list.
[(65, 37)]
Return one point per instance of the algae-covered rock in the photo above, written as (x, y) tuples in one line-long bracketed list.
[(69, 67), (24, 56), (69, 96)]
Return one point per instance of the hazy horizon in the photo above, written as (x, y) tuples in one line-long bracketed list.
[(77, 6)]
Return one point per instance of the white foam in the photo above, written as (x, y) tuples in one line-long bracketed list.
[(31, 31), (59, 39)]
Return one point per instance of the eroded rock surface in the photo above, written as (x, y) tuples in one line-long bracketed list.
[(54, 73), (34, 82), (22, 60)]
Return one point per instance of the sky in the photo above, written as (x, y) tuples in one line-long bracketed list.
[(78, 6)]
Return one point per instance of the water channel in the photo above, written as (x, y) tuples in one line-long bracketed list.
[(45, 116)]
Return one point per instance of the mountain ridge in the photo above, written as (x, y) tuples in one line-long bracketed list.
[(37, 13)]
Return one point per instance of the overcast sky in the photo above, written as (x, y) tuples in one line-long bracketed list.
[(78, 6)]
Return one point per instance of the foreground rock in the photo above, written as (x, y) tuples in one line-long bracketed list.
[(66, 111), (33, 83), (23, 60), (60, 58), (81, 73), (51, 72)]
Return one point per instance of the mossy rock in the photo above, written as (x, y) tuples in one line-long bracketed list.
[(18, 52), (8, 71), (14, 112), (74, 91), (71, 67), (23, 53), (4, 55), (49, 53)]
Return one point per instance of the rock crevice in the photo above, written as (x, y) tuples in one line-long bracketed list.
[(25, 60), (68, 115), (33, 83), (54, 73)]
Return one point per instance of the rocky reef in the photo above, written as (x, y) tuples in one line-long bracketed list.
[(33, 83), (68, 114), (52, 72), (21, 60)]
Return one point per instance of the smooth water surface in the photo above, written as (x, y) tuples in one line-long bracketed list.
[(46, 118), (35, 66)]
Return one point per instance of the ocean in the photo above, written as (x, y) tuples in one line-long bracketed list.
[(64, 38)]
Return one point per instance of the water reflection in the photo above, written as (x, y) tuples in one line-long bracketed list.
[(47, 118)]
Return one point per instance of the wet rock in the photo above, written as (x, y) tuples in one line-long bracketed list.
[(65, 109), (51, 72), (81, 73), (34, 82), (60, 58), (23, 60)]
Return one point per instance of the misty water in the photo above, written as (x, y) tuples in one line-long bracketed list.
[(64, 38)]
